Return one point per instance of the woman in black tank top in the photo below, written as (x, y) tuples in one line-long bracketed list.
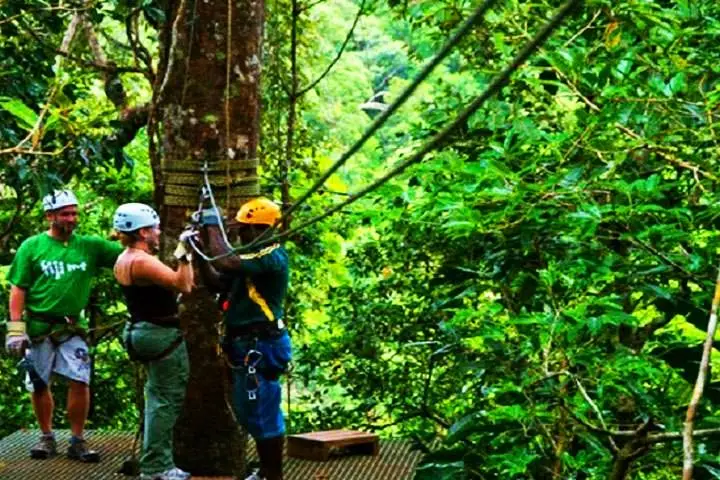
[(152, 335)]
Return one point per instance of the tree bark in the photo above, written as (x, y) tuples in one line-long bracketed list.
[(208, 100)]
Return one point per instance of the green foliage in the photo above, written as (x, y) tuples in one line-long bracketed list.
[(549, 271), (551, 267)]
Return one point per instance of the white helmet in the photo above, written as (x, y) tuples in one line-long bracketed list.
[(59, 199), (134, 216)]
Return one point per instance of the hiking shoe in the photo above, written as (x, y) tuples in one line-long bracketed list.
[(79, 451), (255, 475), (172, 474), (45, 448)]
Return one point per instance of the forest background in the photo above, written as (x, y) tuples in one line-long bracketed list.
[(512, 303)]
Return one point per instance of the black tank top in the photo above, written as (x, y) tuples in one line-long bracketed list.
[(150, 303)]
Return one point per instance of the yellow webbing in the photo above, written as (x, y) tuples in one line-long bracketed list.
[(252, 290), (259, 300)]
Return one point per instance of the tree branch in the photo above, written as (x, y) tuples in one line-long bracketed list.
[(595, 408), (36, 132), (630, 133), (78, 60), (310, 6), (44, 9), (672, 436), (662, 257), (662, 152), (171, 53), (651, 439), (699, 386), (138, 49)]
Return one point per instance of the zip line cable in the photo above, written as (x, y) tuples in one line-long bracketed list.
[(465, 29), (439, 139), (447, 48), (434, 143)]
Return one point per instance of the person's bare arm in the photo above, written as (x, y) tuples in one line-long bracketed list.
[(217, 246), (17, 303), (211, 277), (151, 269)]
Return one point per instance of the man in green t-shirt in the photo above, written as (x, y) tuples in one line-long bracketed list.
[(50, 286)]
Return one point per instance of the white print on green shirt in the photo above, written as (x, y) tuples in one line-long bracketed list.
[(54, 268)]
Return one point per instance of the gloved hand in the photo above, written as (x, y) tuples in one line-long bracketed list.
[(182, 251), (208, 216), (17, 340), (187, 234)]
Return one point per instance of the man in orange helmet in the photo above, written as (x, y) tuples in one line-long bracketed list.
[(256, 341)]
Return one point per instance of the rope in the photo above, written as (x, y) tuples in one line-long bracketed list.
[(209, 193), (228, 61), (434, 143)]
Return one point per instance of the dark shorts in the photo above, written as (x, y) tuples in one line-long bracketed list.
[(257, 396)]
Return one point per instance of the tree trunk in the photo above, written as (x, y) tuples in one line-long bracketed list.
[(207, 97), (624, 458)]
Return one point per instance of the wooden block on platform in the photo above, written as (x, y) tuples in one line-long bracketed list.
[(320, 445)]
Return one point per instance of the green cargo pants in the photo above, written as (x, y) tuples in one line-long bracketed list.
[(167, 379)]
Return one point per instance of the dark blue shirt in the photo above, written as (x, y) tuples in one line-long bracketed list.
[(258, 287)]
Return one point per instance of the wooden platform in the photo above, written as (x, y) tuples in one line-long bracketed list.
[(320, 445), (394, 461)]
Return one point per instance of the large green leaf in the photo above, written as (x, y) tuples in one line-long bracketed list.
[(25, 116)]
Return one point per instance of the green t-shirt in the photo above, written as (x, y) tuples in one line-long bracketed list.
[(56, 275)]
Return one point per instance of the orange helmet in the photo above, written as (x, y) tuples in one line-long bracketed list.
[(259, 211)]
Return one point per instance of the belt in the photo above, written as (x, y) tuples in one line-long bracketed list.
[(54, 319), (261, 330), (135, 355), (171, 321)]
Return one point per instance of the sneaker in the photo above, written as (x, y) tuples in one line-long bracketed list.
[(255, 475), (79, 451), (45, 448), (172, 474)]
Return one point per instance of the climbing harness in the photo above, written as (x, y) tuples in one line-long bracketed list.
[(58, 337), (138, 357), (251, 361), (27, 364)]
